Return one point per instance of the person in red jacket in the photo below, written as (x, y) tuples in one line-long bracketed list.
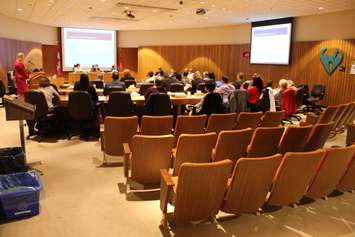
[(255, 91), (21, 74)]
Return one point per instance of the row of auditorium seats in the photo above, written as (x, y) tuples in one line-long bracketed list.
[(145, 155), (118, 130), (200, 191)]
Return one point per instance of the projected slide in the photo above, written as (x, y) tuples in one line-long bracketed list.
[(270, 44), (88, 47)]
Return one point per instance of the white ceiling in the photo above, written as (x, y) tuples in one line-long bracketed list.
[(76, 13)]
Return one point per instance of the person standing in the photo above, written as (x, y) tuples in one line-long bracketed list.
[(21, 74)]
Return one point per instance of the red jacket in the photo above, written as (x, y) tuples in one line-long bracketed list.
[(253, 95)]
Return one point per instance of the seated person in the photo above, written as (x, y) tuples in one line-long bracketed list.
[(95, 68), (225, 90), (254, 92), (197, 79), (85, 85), (270, 91), (49, 92), (150, 77), (127, 76), (167, 81), (115, 81), (239, 80), (211, 102), (77, 68), (206, 76), (155, 89)]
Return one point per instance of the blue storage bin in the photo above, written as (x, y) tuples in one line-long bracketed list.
[(19, 195)]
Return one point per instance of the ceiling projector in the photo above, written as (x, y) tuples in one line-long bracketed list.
[(129, 14), (201, 11)]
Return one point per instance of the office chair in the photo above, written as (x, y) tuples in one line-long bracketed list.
[(144, 87), (158, 104), (119, 104), (98, 84), (43, 117), (110, 89), (81, 109), (176, 87), (317, 95), (128, 83)]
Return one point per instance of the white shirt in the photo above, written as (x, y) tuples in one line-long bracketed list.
[(49, 93), (272, 99)]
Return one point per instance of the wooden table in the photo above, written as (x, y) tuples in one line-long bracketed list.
[(75, 76), (139, 100)]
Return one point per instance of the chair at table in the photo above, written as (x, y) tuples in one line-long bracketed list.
[(294, 139), (189, 125), (219, 122), (347, 182), (82, 110), (272, 119), (176, 87), (232, 145), (108, 90), (129, 82), (158, 104), (250, 183), (98, 84), (197, 192), (145, 157), (119, 104), (43, 117), (248, 120), (156, 125), (333, 167), (265, 142), (144, 87), (293, 177), (117, 130), (318, 136), (196, 148)]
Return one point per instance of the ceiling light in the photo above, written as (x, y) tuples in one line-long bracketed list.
[(320, 8), (213, 5), (224, 8), (103, 0), (202, 2), (155, 10), (126, 8), (19, 9)]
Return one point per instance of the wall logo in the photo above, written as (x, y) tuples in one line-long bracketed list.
[(331, 62)]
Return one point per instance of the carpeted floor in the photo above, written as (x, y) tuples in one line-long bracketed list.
[(82, 199)]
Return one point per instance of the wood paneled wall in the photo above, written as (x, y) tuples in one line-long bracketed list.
[(9, 49), (129, 59), (305, 66)]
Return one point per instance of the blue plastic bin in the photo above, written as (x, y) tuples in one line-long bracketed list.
[(19, 195)]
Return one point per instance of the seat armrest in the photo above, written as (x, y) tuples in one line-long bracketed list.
[(126, 159), (102, 140), (166, 186)]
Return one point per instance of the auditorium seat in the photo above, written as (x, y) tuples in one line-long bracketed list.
[(250, 183), (332, 168), (272, 119), (265, 142), (156, 125), (347, 182), (145, 157), (318, 136), (248, 120), (350, 134), (117, 130), (294, 139), (326, 116), (293, 177), (108, 90), (196, 148), (232, 145), (337, 117), (219, 122), (119, 104), (351, 117), (189, 125), (340, 127), (197, 193)]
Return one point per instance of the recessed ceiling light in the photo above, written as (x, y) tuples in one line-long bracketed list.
[(155, 10), (19, 9), (126, 8), (213, 5), (202, 2), (224, 8), (103, 0), (320, 8)]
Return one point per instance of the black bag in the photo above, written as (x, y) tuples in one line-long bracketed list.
[(12, 160)]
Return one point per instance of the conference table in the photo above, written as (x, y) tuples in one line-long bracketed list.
[(178, 101)]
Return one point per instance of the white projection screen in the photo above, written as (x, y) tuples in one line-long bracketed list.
[(271, 42), (88, 47)]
